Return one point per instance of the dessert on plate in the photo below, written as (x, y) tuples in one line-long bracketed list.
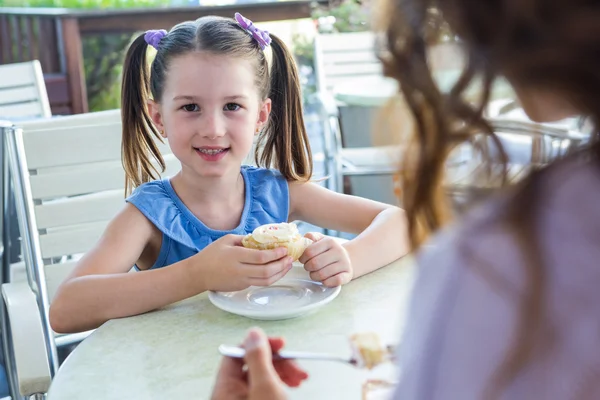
[(271, 236)]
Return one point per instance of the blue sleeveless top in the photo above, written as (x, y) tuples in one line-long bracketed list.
[(267, 201)]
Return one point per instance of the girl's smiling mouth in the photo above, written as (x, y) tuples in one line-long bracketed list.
[(211, 153)]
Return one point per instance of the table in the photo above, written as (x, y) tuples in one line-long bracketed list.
[(172, 353)]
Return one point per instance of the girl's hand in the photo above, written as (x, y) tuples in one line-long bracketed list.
[(226, 266), (264, 378), (327, 261)]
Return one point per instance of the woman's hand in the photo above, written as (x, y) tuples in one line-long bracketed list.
[(264, 378), (225, 265), (327, 261)]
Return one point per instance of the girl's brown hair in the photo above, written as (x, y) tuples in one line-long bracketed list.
[(283, 144), (549, 44)]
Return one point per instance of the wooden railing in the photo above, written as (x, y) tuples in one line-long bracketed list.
[(54, 36)]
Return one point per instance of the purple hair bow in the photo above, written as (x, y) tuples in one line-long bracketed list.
[(154, 36), (262, 37)]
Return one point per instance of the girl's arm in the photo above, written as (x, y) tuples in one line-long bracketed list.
[(100, 287), (382, 228)]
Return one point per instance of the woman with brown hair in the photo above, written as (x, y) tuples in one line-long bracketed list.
[(506, 303)]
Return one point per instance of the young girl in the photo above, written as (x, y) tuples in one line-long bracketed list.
[(214, 84)]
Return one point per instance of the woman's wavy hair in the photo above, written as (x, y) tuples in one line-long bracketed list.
[(548, 44)]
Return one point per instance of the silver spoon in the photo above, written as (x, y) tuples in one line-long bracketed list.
[(238, 352)]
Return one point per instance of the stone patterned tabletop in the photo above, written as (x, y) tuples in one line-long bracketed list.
[(172, 353)]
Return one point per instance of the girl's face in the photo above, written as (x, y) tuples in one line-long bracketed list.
[(210, 112)]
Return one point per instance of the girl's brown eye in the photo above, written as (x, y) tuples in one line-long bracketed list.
[(232, 107), (191, 107)]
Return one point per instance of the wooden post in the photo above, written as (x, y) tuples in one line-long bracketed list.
[(73, 52)]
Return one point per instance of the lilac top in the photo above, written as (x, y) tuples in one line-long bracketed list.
[(464, 310)]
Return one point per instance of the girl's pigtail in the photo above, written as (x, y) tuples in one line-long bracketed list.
[(138, 141), (286, 144)]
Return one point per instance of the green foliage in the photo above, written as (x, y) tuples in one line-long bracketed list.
[(304, 49), (347, 16), (103, 55)]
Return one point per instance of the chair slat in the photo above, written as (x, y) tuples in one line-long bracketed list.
[(77, 210), (351, 57), (334, 81), (10, 96), (75, 145), (18, 74), (343, 56), (21, 110), (72, 146), (351, 70), (347, 41), (74, 240), (95, 118), (91, 178)]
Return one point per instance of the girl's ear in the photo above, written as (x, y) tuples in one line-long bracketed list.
[(263, 115), (155, 113)]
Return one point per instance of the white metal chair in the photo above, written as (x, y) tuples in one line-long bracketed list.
[(23, 91), (23, 96), (17, 270), (353, 161), (68, 183), (528, 145), (339, 57)]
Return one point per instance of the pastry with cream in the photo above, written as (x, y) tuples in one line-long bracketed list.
[(271, 236), (367, 350)]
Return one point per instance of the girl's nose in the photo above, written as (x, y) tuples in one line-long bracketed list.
[(214, 127)]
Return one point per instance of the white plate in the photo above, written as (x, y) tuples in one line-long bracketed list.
[(292, 296)]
